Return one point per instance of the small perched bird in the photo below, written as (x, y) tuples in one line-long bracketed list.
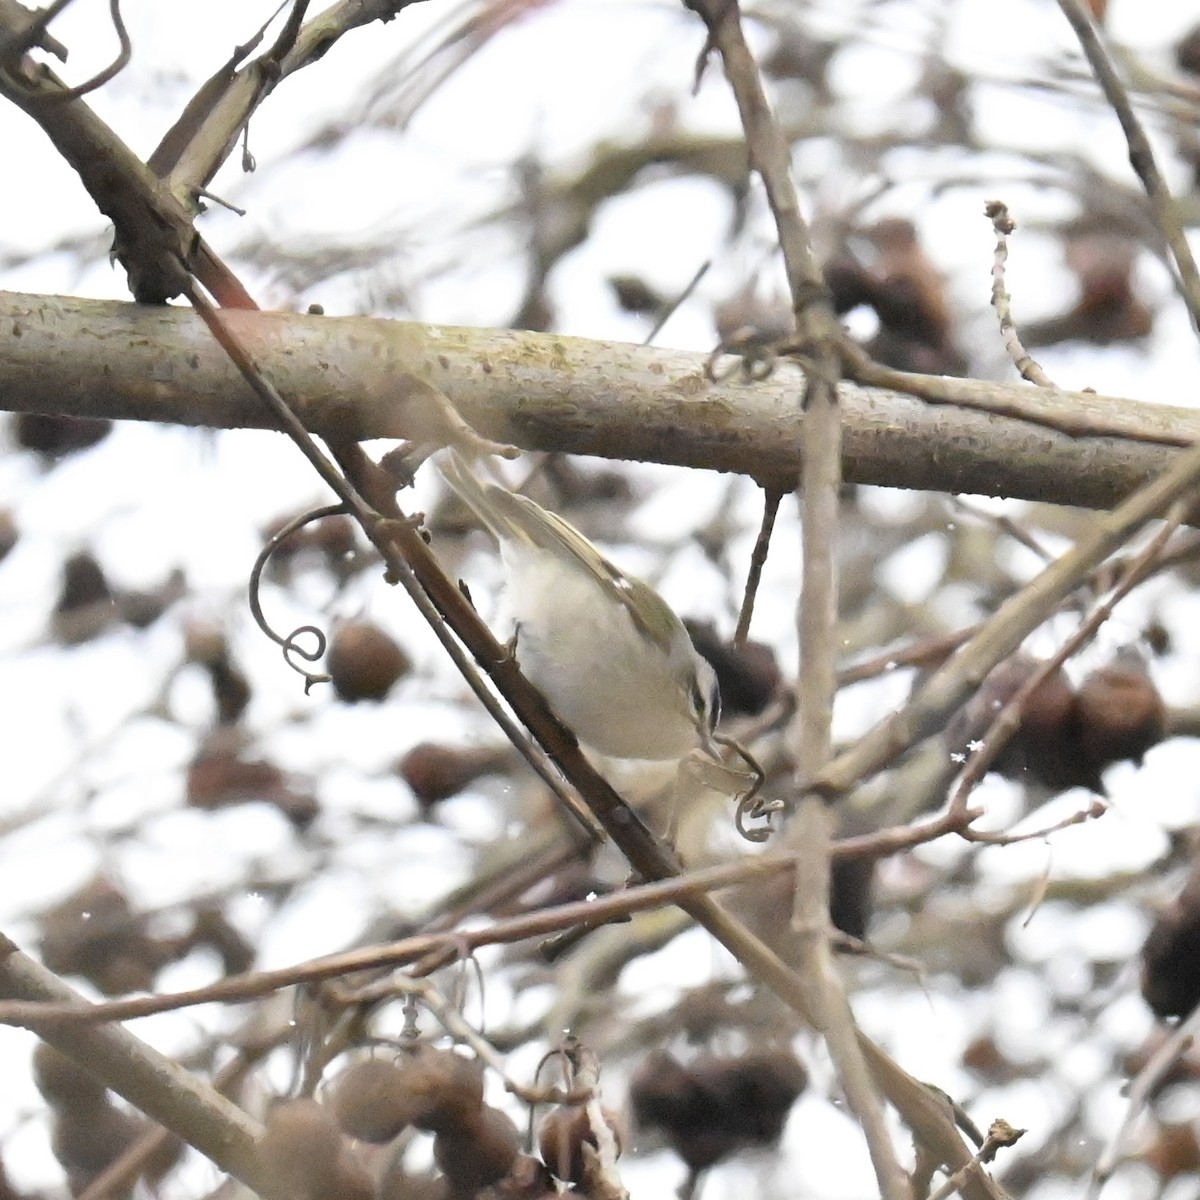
[(612, 659)]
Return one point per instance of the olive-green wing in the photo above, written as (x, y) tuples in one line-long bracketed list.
[(509, 515)]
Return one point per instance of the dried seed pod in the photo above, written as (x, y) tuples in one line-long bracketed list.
[(665, 1094), (476, 1153), (95, 933), (446, 1088), (435, 772), (213, 929), (851, 895), (141, 608), (748, 675), (205, 643), (1108, 308), (717, 1105), (83, 583), (398, 1184), (370, 1100), (222, 775), (1187, 51), (908, 294), (1174, 1151), (85, 1141), (231, 691), (63, 1082), (53, 437), (662, 1092), (1120, 713), (85, 606), (364, 662), (983, 1056), (301, 1147), (634, 295), (753, 1093), (564, 1132), (977, 716), (1047, 742), (1171, 955)]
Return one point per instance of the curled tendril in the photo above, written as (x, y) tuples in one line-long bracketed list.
[(755, 808), (291, 649), (751, 806)]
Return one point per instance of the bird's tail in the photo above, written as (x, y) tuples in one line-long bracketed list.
[(465, 484)]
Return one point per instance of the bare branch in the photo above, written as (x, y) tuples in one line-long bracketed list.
[(147, 1079), (364, 377)]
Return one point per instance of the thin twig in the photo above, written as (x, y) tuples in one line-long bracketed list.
[(1000, 1136), (160, 1087), (1008, 720), (671, 309), (820, 334), (1003, 224), (535, 924), (948, 686), (1140, 1090), (59, 95), (934, 650), (758, 560), (1141, 154), (34, 33)]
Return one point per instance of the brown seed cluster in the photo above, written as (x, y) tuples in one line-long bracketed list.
[(87, 1131), (1069, 734), (225, 773), (578, 1143), (436, 771), (716, 1106), (1171, 955), (54, 437), (97, 934), (423, 1089)]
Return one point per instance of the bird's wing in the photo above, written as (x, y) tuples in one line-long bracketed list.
[(511, 517)]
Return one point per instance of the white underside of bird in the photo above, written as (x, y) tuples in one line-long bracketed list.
[(611, 658)]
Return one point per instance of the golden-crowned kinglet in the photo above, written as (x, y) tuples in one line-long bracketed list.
[(614, 662)]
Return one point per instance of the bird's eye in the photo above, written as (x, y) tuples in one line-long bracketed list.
[(706, 707)]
